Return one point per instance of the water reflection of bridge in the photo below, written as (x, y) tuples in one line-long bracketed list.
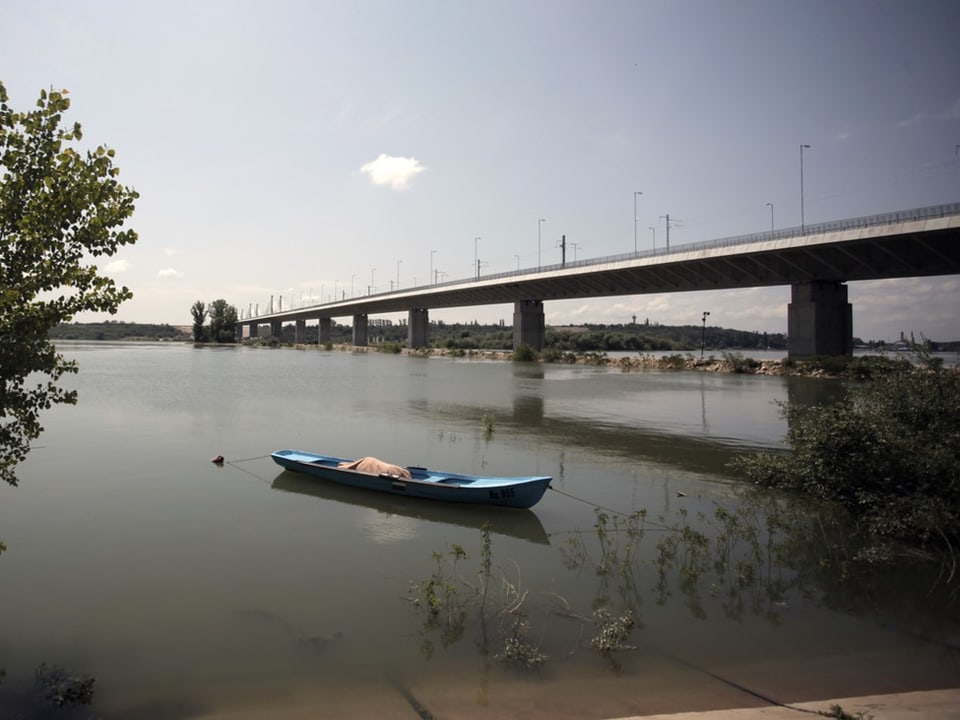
[(816, 261)]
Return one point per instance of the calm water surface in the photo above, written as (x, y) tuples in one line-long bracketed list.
[(190, 590)]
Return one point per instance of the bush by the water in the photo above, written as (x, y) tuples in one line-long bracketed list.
[(525, 353), (888, 455)]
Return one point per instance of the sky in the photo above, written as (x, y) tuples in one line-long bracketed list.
[(307, 149)]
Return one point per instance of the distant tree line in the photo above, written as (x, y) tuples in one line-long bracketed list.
[(219, 319), (581, 338), (113, 330)]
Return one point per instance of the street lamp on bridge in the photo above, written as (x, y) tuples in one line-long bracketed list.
[(635, 218), (770, 205), (539, 223), (802, 228)]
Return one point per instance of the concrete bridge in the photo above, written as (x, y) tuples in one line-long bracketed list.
[(816, 262)]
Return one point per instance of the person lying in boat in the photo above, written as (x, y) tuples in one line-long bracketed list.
[(376, 467)]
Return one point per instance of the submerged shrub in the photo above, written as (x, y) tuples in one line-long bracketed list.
[(740, 364), (888, 454), (676, 361), (525, 353)]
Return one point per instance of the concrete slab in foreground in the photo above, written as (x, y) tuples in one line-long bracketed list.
[(925, 705)]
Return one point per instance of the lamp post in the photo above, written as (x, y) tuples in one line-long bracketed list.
[(803, 230), (667, 218), (518, 262), (476, 258), (370, 288), (703, 331), (431, 280), (539, 223), (654, 231), (638, 192), (770, 205), (351, 284), (398, 273)]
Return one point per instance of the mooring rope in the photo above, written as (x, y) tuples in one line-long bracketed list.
[(587, 502), (646, 521), (736, 685), (243, 460), (418, 707), (220, 462)]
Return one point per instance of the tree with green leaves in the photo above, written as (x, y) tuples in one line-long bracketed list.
[(199, 312), (61, 208), (223, 321)]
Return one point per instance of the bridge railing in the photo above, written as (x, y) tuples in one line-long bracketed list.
[(923, 213)]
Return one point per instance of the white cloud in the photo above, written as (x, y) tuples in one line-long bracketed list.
[(169, 274), (117, 266), (397, 172), (923, 116)]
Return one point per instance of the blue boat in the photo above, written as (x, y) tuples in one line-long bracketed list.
[(417, 482)]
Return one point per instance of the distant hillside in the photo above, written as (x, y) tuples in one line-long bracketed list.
[(118, 331)]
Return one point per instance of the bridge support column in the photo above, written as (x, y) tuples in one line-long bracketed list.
[(275, 328), (418, 328), (254, 329), (360, 330), (301, 332), (819, 320), (324, 334), (528, 324)]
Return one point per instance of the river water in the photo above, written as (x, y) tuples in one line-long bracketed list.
[(190, 590)]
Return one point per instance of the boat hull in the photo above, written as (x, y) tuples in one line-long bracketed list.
[(516, 492)]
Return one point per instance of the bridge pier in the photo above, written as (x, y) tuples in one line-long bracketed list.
[(528, 324), (418, 328), (252, 330), (300, 333), (275, 328), (360, 330), (324, 332), (819, 320)]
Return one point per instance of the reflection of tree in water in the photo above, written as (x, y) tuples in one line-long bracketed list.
[(756, 555)]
